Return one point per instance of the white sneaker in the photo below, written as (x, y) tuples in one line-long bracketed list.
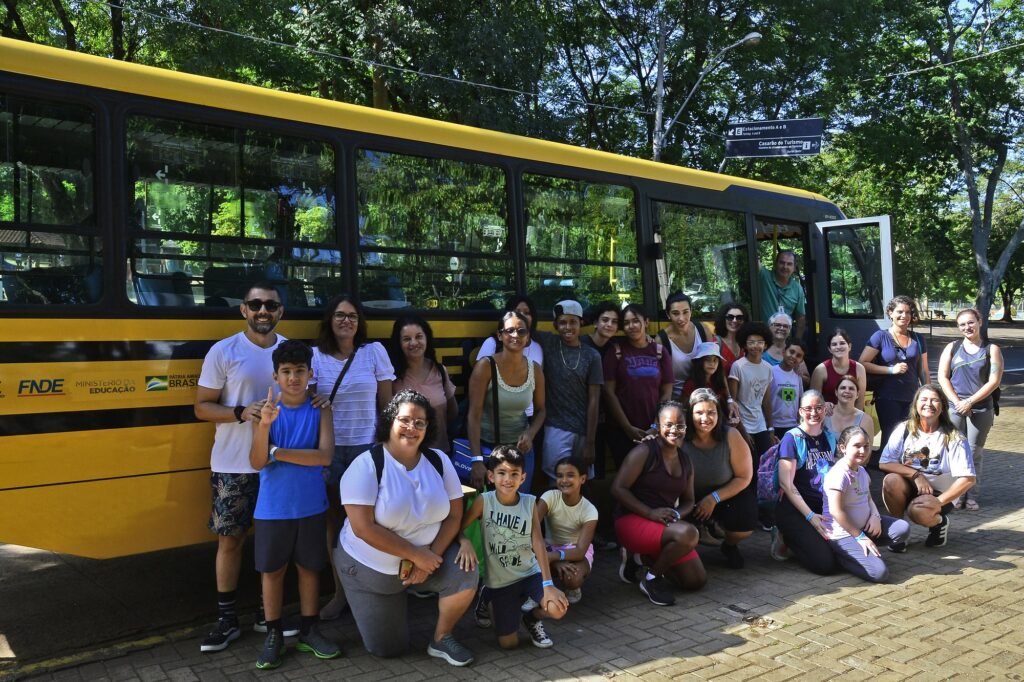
[(574, 595), (529, 605)]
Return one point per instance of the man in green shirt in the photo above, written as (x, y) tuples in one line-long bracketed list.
[(781, 290)]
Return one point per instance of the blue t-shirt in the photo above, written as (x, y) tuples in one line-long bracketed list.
[(292, 491), (897, 386)]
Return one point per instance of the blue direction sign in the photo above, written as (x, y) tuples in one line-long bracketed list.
[(792, 137)]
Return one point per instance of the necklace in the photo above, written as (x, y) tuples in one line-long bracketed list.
[(561, 353)]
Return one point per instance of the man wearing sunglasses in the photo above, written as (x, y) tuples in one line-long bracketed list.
[(232, 388)]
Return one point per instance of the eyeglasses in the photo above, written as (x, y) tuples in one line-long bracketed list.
[(735, 318), (515, 331), (781, 325), (816, 409), (351, 317), (255, 304), (755, 342), (669, 426), (410, 423)]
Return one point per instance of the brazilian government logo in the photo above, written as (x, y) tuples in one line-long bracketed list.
[(158, 383)]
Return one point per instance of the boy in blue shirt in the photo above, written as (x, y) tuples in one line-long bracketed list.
[(292, 442)]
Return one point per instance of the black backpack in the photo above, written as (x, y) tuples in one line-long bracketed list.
[(377, 453)]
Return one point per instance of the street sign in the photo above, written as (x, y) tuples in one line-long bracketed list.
[(793, 137)]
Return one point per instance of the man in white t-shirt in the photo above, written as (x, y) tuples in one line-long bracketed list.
[(232, 388)]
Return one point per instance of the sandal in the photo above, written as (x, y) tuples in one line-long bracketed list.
[(971, 505)]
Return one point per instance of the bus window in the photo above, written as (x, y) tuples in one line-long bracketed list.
[(705, 255), (580, 242), (49, 250), (433, 233), (855, 271), (217, 208)]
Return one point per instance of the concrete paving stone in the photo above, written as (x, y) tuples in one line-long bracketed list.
[(181, 675), (150, 673)]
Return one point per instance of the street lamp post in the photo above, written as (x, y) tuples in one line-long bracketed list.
[(660, 132)]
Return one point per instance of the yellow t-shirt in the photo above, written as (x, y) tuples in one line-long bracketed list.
[(564, 523)]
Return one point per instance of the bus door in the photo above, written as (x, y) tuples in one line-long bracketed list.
[(771, 236), (855, 278)]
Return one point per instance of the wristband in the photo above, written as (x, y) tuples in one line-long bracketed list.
[(270, 453), (892, 370), (729, 400), (916, 474), (810, 515), (675, 512), (561, 555), (715, 496), (547, 583), (477, 459), (861, 537), (654, 425)]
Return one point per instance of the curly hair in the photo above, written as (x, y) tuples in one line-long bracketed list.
[(387, 417), (505, 454), (753, 329), (903, 299), (720, 328), (292, 351)]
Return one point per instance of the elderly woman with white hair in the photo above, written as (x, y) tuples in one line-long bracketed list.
[(781, 325)]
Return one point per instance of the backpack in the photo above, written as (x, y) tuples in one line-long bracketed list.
[(769, 493), (986, 370), (659, 349), (377, 454)]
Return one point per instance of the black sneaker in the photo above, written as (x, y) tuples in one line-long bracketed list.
[(938, 534), (223, 634), (732, 556), (629, 567), (318, 645), (538, 635), (450, 650), (658, 591), (287, 630), (273, 650), (898, 547)]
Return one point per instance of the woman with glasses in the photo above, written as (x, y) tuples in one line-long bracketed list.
[(403, 503), (898, 358), (416, 367), (781, 325), (970, 370), (519, 381), (355, 376), (637, 377), (722, 471), (806, 453), (827, 375)]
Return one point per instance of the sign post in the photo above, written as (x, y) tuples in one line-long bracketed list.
[(759, 139)]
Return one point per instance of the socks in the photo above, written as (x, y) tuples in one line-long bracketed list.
[(226, 606), (307, 623), (274, 625)]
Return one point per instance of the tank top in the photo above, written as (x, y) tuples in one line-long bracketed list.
[(512, 404), (681, 361), (655, 486), (832, 379), (508, 539), (712, 467), (965, 374), (828, 422)]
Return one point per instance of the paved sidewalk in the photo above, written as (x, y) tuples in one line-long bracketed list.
[(953, 612)]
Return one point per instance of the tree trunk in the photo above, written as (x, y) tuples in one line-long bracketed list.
[(117, 31), (70, 36), (1007, 297)]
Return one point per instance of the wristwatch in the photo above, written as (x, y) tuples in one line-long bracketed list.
[(270, 453), (239, 409)]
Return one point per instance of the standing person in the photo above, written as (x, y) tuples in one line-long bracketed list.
[(403, 505), (749, 381), (826, 376), (970, 371), (845, 413), (927, 465), (232, 388), (355, 377), (654, 489), (806, 453), (525, 306), (853, 522), (781, 291), (515, 554), (520, 381), (730, 318), (572, 378), (681, 338), (722, 473), (787, 387), (412, 354), (637, 377), (291, 444), (781, 325), (899, 359), (707, 372)]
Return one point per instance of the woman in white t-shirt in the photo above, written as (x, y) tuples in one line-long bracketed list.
[(366, 373), (404, 509)]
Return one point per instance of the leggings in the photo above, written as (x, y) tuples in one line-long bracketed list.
[(850, 555), (810, 549), (975, 429)]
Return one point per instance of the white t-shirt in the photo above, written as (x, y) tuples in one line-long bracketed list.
[(242, 372), (532, 352), (411, 504), (787, 387), (355, 406), (754, 381), (564, 522), (943, 464)]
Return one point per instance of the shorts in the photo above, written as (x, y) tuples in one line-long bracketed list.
[(589, 556), (558, 444), (738, 514), (344, 455), (234, 501), (299, 541), (506, 602), (643, 536)]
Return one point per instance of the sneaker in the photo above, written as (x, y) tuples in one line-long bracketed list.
[(574, 596), (315, 643), (899, 547), (286, 630), (529, 605), (226, 632), (538, 635), (658, 591), (450, 650), (779, 550), (273, 650), (971, 505), (938, 534), (732, 556), (629, 566), (603, 544), (482, 612)]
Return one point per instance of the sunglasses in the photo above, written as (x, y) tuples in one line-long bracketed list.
[(735, 318), (515, 331), (255, 304)]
